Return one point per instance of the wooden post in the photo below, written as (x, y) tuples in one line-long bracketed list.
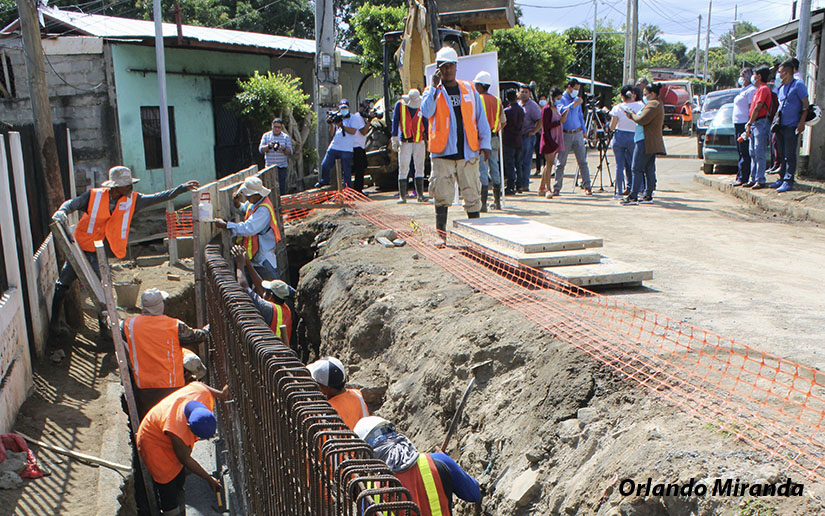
[(197, 254), (123, 365), (72, 180), (339, 182), (80, 264)]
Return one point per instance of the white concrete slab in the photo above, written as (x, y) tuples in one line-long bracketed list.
[(606, 273), (539, 260), (523, 235)]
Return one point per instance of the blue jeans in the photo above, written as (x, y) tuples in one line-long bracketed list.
[(512, 156), (758, 143), (329, 162), (644, 171), (743, 149), (528, 141), (787, 147), (282, 179), (623, 150), (490, 169)]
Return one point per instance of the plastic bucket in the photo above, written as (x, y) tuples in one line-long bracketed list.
[(127, 294)]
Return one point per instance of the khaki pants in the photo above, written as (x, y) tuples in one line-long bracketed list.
[(446, 173), (411, 151)]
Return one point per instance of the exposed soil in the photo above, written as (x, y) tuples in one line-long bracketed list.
[(547, 430)]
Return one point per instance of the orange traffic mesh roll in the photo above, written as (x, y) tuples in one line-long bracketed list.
[(179, 223), (774, 404)]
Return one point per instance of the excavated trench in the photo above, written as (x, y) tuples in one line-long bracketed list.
[(547, 430)]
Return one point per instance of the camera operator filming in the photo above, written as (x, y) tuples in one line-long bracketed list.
[(276, 146), (359, 148), (344, 125)]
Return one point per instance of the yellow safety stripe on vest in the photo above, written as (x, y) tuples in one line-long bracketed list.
[(376, 498), (279, 318), (273, 222), (429, 485), (418, 130), (497, 121)]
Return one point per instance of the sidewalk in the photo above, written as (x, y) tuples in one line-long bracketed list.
[(805, 202)]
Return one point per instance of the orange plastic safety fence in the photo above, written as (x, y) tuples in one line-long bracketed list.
[(179, 223), (307, 198), (774, 404)]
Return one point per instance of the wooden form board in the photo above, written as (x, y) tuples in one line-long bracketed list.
[(523, 235), (539, 260), (80, 264), (605, 273)]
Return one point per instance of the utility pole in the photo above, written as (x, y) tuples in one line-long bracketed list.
[(803, 38), (733, 34), (634, 40), (165, 144), (707, 45), (696, 56), (593, 51), (41, 109), (326, 75), (628, 18)]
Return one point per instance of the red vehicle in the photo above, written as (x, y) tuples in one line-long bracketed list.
[(678, 108)]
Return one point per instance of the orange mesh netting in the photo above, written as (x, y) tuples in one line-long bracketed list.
[(774, 404), (179, 223)]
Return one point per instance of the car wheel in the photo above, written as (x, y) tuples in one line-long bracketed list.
[(707, 168)]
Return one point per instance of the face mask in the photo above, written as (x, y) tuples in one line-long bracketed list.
[(740, 82), (542, 103), (344, 112), (574, 93)]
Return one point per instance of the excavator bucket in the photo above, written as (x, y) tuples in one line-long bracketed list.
[(416, 50), (477, 15)]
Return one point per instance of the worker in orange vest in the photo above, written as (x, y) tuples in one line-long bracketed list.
[(154, 343), (458, 133), (332, 379), (489, 168), (431, 478), (167, 435), (259, 230), (409, 134), (270, 297), (108, 215)]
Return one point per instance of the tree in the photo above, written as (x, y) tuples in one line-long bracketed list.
[(346, 10), (609, 53), (264, 97), (743, 28), (662, 60), (679, 51), (529, 53), (650, 40), (370, 23)]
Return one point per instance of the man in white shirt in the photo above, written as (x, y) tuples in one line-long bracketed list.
[(343, 142), (276, 146), (741, 113)]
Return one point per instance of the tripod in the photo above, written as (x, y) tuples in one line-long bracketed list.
[(603, 144)]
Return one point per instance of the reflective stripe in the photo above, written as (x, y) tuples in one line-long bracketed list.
[(95, 207), (124, 225), (416, 130), (364, 411), (494, 125), (429, 485), (130, 329), (279, 317)]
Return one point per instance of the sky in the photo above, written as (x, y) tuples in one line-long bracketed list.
[(678, 19)]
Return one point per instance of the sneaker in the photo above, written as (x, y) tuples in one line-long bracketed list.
[(548, 195), (773, 170), (749, 184), (777, 184), (759, 186), (509, 192), (519, 189), (588, 191), (556, 193), (646, 200), (627, 201), (738, 183), (626, 192), (786, 186)]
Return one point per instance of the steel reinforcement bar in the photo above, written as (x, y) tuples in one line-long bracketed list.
[(288, 451)]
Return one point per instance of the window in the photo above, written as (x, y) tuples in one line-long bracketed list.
[(152, 150)]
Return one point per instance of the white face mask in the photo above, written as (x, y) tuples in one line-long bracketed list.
[(344, 111), (542, 103), (741, 82), (574, 93)]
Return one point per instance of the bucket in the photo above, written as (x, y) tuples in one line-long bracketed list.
[(127, 293)]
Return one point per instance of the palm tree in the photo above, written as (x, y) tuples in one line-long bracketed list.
[(650, 40)]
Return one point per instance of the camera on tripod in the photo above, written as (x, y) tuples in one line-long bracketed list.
[(591, 100)]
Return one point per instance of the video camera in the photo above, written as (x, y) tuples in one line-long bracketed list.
[(367, 111), (591, 100), (335, 117)]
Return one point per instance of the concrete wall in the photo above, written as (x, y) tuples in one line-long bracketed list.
[(189, 92), (79, 85)]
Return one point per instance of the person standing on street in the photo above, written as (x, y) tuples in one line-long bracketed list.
[(623, 130), (741, 112), (342, 128), (757, 129), (511, 141), (489, 169), (529, 128), (573, 127), (552, 140), (539, 156), (409, 132), (793, 110), (458, 132), (651, 118), (276, 146)]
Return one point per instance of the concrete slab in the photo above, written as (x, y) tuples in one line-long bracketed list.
[(523, 235), (606, 273), (538, 260)]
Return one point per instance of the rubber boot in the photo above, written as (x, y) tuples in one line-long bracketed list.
[(441, 222), (497, 197), (485, 191), (419, 189), (473, 215), (57, 303), (402, 192)]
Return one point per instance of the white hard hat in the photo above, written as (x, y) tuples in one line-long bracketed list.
[(446, 55), (483, 78), (817, 115), (369, 425), (252, 185)]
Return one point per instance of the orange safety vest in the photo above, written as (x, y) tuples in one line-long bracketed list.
[(687, 113), (251, 243), (491, 103), (281, 315), (412, 127), (425, 487), (98, 223), (440, 122), (154, 351), (350, 406)]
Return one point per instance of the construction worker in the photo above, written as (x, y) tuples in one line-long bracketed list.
[(166, 436), (409, 132), (154, 343), (489, 168), (332, 379), (431, 478), (259, 229), (458, 132), (270, 297), (108, 217)]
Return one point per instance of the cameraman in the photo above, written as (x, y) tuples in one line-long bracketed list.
[(344, 126), (359, 149), (276, 146), (573, 127)]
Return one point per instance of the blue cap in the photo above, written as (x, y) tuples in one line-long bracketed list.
[(201, 420)]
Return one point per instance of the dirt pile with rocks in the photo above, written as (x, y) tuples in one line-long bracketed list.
[(547, 430)]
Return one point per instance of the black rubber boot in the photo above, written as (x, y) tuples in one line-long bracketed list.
[(473, 215), (419, 189), (497, 197), (402, 191), (441, 222), (485, 191)]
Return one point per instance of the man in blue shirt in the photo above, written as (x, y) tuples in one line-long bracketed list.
[(573, 127), (793, 107)]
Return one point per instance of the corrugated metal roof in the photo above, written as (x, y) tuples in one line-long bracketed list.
[(113, 27)]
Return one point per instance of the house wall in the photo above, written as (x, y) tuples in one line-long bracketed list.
[(189, 91)]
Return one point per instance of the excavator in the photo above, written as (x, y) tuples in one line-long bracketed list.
[(429, 25)]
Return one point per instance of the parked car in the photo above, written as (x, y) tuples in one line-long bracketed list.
[(720, 142), (713, 101)]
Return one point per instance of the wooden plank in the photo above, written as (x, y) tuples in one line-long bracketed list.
[(549, 259), (523, 235), (80, 264), (605, 273), (197, 256), (123, 365)]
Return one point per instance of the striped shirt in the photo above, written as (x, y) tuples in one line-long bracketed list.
[(272, 157)]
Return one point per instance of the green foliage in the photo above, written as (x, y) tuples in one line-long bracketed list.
[(346, 10), (528, 53), (650, 40), (8, 12), (662, 60), (263, 97), (725, 76), (370, 22), (756, 59), (753, 507), (679, 51), (609, 54)]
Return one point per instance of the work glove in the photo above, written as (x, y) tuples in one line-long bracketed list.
[(395, 144), (61, 218)]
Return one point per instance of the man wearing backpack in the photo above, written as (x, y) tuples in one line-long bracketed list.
[(793, 110)]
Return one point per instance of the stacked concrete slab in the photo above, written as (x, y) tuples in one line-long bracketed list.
[(560, 253)]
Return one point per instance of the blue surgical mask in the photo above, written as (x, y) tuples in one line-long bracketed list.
[(741, 82), (344, 111), (542, 103), (574, 93)]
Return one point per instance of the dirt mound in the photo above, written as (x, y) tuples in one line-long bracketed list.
[(548, 430)]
